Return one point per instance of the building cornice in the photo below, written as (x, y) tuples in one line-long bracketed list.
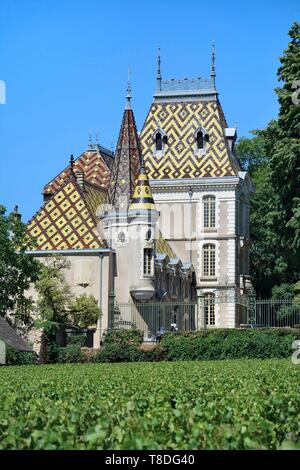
[(205, 183)]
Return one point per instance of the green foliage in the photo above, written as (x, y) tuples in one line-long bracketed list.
[(229, 404), (228, 344), (50, 329), (17, 270), (122, 346), (54, 295), (120, 352), (251, 152), (84, 311), (71, 354), (284, 291), (78, 340), (273, 158), (131, 336), (19, 358)]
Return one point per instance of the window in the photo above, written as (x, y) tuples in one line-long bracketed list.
[(148, 257), (158, 142), (209, 309), (148, 235), (201, 137), (209, 212), (200, 140), (209, 261), (121, 237)]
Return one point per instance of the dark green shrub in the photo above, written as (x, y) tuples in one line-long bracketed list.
[(120, 352), (71, 353), (227, 344), (19, 358), (135, 337), (78, 340)]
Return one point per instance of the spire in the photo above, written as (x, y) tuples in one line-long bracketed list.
[(72, 166), (128, 97), (142, 197), (158, 76), (126, 165), (213, 70)]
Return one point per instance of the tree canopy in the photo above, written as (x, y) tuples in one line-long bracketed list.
[(17, 270)]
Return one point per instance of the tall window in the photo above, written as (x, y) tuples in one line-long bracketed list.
[(148, 257), (209, 211), (158, 141), (200, 140), (209, 309), (209, 260)]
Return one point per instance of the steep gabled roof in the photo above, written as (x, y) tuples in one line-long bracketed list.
[(180, 121), (68, 219), (126, 165), (11, 338), (93, 164)]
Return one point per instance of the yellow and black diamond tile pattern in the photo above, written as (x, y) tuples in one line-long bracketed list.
[(66, 221), (180, 122)]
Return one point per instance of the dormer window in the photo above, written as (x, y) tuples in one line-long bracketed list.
[(160, 140), (201, 137), (200, 140)]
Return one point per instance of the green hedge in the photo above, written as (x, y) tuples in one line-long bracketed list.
[(227, 344), (71, 353), (133, 336), (19, 358)]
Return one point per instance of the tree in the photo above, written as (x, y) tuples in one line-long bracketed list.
[(17, 270), (273, 158), (85, 311), (283, 142), (54, 294)]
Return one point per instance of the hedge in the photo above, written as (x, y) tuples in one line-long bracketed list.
[(262, 343)]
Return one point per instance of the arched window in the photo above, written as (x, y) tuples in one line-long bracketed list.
[(201, 137), (148, 235), (209, 260), (209, 212), (209, 309), (160, 139), (200, 140), (158, 142)]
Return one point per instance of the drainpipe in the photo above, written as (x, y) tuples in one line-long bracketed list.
[(100, 296), (190, 196)]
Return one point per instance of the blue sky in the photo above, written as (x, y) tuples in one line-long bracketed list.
[(65, 66)]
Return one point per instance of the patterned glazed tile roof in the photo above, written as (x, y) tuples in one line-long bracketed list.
[(95, 168), (163, 247), (142, 197), (68, 219), (126, 165), (180, 121)]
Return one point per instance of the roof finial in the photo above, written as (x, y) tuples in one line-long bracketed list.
[(90, 146), (128, 97), (72, 165), (97, 139), (158, 76), (213, 70)]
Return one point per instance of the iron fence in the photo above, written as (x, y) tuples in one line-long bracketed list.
[(274, 313), (206, 311)]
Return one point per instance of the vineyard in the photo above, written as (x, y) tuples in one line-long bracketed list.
[(230, 404)]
